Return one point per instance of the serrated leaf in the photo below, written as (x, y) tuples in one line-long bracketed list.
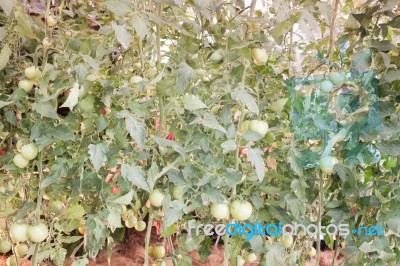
[(75, 212), (125, 199), (191, 102), (119, 7), (171, 143), (242, 96), (210, 121), (4, 56), (98, 154), (23, 26), (114, 218), (73, 96), (278, 105), (229, 145), (135, 175), (7, 6), (174, 211), (275, 255), (93, 63), (124, 37), (135, 127), (45, 109), (185, 74), (256, 160), (80, 262), (391, 148)]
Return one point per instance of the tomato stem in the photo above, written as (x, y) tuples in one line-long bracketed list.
[(148, 235), (226, 249)]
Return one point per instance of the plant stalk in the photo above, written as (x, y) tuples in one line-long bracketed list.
[(320, 208), (332, 30), (148, 235)]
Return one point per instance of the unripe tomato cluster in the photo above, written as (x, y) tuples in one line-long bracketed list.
[(131, 221), (31, 73), (28, 152), (240, 210), (21, 234), (328, 82)]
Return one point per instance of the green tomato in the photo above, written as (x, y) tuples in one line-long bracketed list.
[(11, 261), (311, 252), (158, 252), (19, 232), (140, 226), (38, 233), (337, 77), (326, 86), (32, 72), (29, 151), (260, 56), (151, 72), (20, 161), (240, 261), (177, 192), (287, 240), (319, 78), (46, 42), (259, 127), (21, 250), (241, 211), (5, 246), (26, 85), (326, 164), (156, 198), (219, 211), (251, 257), (216, 56), (131, 221), (51, 21)]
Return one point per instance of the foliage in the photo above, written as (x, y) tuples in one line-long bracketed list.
[(102, 133)]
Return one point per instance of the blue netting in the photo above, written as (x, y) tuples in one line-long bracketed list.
[(347, 113)]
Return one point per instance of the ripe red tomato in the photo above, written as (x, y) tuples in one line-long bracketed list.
[(170, 136), (115, 190)]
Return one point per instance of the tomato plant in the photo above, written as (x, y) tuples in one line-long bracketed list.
[(119, 116)]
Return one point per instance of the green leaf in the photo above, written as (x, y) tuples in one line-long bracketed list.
[(135, 127), (275, 255), (45, 109), (73, 96), (98, 154), (80, 262), (256, 160), (210, 121), (171, 143), (75, 212), (192, 102), (23, 26), (7, 6), (124, 37), (125, 199), (141, 24), (278, 105), (174, 210), (119, 7), (229, 145), (4, 56), (93, 63), (391, 148), (242, 96), (135, 175), (185, 74), (24, 209)]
